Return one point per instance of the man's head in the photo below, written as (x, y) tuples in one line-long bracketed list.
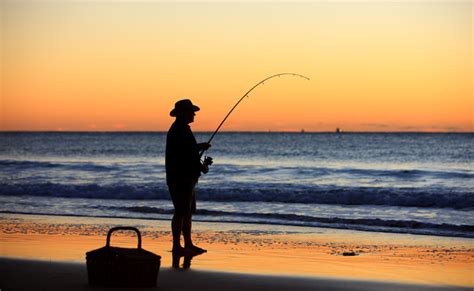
[(184, 110)]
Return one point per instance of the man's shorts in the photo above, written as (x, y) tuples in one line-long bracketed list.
[(183, 196)]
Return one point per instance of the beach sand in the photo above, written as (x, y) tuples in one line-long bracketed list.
[(42, 275), (50, 252)]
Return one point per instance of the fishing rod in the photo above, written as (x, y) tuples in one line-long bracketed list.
[(245, 95)]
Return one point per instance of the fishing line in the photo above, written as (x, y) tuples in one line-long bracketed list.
[(245, 95)]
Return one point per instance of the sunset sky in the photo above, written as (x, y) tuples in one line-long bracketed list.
[(121, 65)]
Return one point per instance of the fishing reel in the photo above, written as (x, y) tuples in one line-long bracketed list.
[(206, 163)]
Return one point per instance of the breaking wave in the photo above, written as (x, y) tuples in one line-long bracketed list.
[(283, 193)]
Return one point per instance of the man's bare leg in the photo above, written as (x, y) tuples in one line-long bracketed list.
[(188, 243), (187, 225), (176, 228)]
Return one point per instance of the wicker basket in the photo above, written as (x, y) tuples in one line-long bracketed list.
[(122, 267)]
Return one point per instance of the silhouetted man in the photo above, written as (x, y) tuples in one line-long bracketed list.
[(183, 168)]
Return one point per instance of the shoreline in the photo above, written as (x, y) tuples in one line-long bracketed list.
[(387, 230), (255, 249)]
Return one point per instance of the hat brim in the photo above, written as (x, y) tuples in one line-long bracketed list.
[(175, 112)]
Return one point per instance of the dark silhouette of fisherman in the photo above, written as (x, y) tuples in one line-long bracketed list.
[(183, 168)]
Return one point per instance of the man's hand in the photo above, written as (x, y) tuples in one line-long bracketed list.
[(204, 146)]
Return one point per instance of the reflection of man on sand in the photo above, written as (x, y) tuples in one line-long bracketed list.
[(176, 258), (183, 168)]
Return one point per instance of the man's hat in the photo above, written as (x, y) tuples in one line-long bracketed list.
[(183, 106)]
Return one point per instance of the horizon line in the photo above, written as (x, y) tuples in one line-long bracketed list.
[(227, 131)]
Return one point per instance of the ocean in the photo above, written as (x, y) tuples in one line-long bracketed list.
[(418, 183)]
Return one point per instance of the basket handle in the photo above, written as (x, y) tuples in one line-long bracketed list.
[(124, 228)]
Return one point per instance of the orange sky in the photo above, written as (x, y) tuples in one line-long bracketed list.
[(107, 65)]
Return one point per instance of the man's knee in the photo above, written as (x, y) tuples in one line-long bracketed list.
[(178, 217)]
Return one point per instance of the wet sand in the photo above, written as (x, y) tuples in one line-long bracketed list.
[(240, 256)]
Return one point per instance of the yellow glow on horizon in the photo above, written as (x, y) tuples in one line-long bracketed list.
[(374, 66)]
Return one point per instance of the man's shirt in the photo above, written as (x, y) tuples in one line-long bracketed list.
[(182, 154)]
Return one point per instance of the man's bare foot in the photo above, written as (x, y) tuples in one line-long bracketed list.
[(196, 249), (183, 251)]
